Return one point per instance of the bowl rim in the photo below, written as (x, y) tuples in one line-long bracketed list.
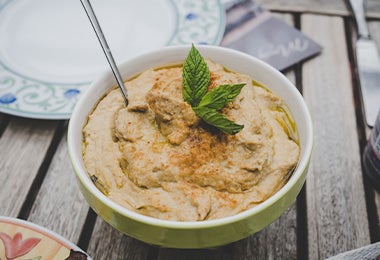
[(81, 173)]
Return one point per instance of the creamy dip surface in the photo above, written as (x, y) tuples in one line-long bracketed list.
[(157, 158)]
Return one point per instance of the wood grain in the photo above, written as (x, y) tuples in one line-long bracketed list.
[(278, 240), (326, 7), (219, 253), (59, 206), (108, 243), (337, 219), (23, 146)]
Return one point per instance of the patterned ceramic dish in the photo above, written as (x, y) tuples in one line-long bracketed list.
[(208, 233), (49, 53), (20, 239)]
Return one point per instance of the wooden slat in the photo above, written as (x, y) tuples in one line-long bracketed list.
[(336, 208), (373, 9), (108, 243), (59, 206), (23, 146), (201, 254), (328, 7), (278, 240)]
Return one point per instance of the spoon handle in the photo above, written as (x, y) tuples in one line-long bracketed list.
[(99, 33)]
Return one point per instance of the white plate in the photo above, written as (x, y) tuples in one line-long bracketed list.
[(20, 239), (49, 53)]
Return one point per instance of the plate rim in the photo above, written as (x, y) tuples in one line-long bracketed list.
[(8, 100), (43, 231)]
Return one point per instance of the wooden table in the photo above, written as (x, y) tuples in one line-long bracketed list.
[(337, 210)]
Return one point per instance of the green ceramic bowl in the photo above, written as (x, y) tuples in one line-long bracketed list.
[(210, 233)]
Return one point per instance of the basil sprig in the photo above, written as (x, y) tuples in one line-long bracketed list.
[(206, 105)]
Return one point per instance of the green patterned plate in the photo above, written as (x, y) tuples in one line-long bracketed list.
[(49, 53)]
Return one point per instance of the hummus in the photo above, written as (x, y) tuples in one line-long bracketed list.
[(157, 158)]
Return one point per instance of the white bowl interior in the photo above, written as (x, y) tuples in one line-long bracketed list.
[(233, 60)]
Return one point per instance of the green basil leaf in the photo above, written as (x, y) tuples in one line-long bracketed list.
[(196, 77), (213, 117), (220, 96)]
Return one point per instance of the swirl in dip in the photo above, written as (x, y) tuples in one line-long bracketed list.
[(156, 157)]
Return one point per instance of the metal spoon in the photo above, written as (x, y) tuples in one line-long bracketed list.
[(99, 33)]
